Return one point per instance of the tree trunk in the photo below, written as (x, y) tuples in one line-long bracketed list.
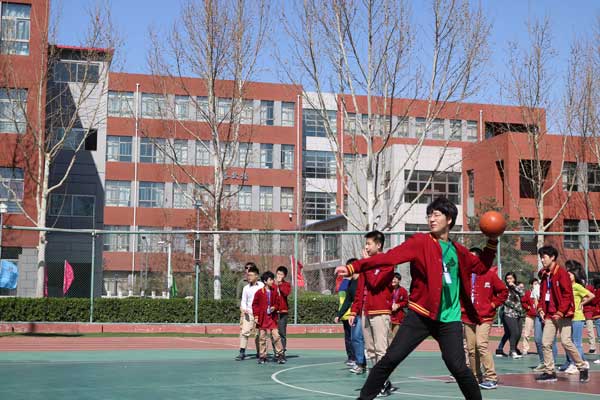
[(41, 223), (217, 266)]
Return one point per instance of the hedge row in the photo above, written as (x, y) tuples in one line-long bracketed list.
[(311, 310)]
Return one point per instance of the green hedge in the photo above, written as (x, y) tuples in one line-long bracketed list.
[(312, 309)]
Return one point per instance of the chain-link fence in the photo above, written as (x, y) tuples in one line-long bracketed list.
[(202, 265)]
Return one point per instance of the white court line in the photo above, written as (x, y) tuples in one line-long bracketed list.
[(206, 341)]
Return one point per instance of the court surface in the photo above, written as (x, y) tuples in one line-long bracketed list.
[(203, 368)]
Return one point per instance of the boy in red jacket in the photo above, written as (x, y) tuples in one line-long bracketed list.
[(557, 306), (529, 303), (399, 303), (283, 290), (264, 309), (488, 292), (441, 282)]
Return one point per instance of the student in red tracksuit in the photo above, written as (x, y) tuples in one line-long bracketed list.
[(283, 290), (529, 304), (441, 282), (264, 309), (588, 312), (557, 307), (399, 303), (488, 292)]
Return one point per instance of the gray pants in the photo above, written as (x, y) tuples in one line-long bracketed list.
[(282, 328)]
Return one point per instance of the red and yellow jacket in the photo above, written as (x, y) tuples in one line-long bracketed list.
[(425, 256), (529, 304), (402, 300), (283, 290), (561, 292), (488, 293), (263, 319), (378, 284)]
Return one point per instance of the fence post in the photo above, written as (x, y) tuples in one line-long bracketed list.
[(92, 277), (295, 272), (499, 256)]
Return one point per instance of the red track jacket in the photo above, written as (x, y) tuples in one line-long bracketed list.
[(259, 308), (402, 300), (561, 292), (590, 308), (529, 304), (283, 290), (489, 293), (425, 256), (596, 301), (378, 283)]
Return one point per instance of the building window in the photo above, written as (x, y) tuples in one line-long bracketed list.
[(402, 127), (224, 109), (183, 108), (455, 129), (446, 184), (245, 155), (120, 104), (569, 176), (180, 151), (571, 226), (350, 123), (387, 180), (266, 198), (529, 186), (420, 124), (319, 164), (118, 193), (287, 199), (313, 249), (383, 124), (16, 25), (72, 71), (152, 194), (247, 114), (593, 177), (471, 182), (203, 153), (286, 244), (528, 242), (287, 114), (245, 198), (266, 155), (266, 112), (118, 148), (202, 112), (181, 199), (71, 205), (313, 123), (415, 228), (331, 248), (319, 205), (152, 150), (11, 188), (149, 242), (76, 139), (13, 106), (436, 130), (116, 241), (594, 241), (472, 132), (287, 156), (154, 105)]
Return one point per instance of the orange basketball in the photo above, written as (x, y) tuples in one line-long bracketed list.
[(492, 223)]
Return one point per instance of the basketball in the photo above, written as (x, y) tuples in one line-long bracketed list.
[(492, 223)]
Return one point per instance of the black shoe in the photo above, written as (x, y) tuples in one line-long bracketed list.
[(584, 375), (546, 377), (262, 360), (384, 393), (240, 357), (500, 353), (281, 360)]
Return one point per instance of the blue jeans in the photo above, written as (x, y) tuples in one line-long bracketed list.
[(538, 330), (577, 337), (348, 340), (358, 341)]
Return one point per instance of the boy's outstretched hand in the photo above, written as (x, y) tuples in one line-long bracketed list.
[(342, 270)]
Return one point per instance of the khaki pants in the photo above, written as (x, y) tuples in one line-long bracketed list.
[(563, 328), (275, 339), (247, 328), (527, 333), (376, 330), (393, 331), (477, 337), (589, 326)]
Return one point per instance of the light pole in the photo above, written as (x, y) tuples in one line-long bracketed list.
[(3, 210), (169, 268), (147, 249), (197, 206)]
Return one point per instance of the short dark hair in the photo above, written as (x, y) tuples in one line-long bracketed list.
[(283, 269), (576, 269), (549, 251), (478, 252), (351, 260), (534, 280), (444, 206), (249, 265), (596, 283), (253, 268), (398, 276), (510, 273), (266, 275), (377, 237)]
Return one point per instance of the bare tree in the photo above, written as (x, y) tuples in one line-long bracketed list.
[(367, 51), (56, 119), (218, 41)]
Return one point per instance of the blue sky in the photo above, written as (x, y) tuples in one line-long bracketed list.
[(509, 17)]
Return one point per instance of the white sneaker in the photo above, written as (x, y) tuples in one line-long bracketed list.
[(571, 370), (597, 361), (514, 355), (586, 365)]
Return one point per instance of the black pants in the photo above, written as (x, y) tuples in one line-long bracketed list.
[(512, 330), (414, 329), (282, 328), (348, 340)]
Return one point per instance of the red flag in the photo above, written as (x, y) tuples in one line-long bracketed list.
[(299, 275), (45, 281), (68, 277)]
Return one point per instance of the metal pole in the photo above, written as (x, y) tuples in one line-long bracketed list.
[(92, 277), (586, 246), (498, 254), (169, 270), (196, 297), (197, 263), (295, 272), (1, 224)]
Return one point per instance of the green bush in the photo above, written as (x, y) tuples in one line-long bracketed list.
[(312, 309)]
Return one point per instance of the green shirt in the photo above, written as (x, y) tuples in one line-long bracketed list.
[(450, 301)]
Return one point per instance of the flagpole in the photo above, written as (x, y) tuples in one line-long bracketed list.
[(295, 267), (92, 278)]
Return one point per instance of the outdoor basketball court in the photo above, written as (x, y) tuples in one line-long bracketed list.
[(203, 368)]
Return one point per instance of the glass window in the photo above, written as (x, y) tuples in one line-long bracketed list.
[(266, 112), (152, 194), (436, 131), (331, 247), (16, 25), (180, 150), (202, 113), (593, 175), (71, 205), (245, 198), (118, 193), (154, 105), (571, 241), (118, 148), (313, 123), (73, 71), (74, 139), (152, 150), (203, 152), (245, 155), (183, 108), (11, 188), (247, 112), (594, 240), (116, 241), (350, 123), (266, 155), (60, 204), (455, 129), (287, 114), (446, 184), (203, 193), (287, 156), (149, 242), (528, 242), (224, 109), (472, 132), (83, 206), (471, 182), (266, 198), (319, 164), (287, 199), (402, 127), (265, 243), (286, 244), (181, 198), (415, 228), (313, 249), (420, 124), (569, 176), (319, 205), (383, 124), (13, 107), (120, 104)]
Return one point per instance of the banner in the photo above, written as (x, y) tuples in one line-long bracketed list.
[(68, 277)]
